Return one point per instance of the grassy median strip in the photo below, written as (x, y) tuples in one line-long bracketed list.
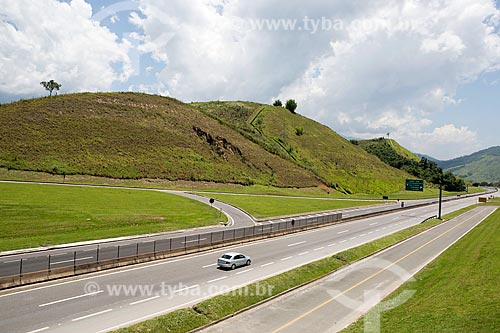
[(269, 206), (32, 215), (457, 292), (218, 307)]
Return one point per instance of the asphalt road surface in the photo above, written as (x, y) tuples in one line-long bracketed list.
[(331, 304), (104, 301), (88, 252)]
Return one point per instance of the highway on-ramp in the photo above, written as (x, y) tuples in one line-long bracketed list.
[(332, 303), (100, 302)]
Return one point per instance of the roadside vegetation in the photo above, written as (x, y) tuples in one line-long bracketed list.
[(32, 215), (218, 307), (390, 152), (457, 292)]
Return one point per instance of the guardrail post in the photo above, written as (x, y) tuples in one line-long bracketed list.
[(137, 250), (118, 256), (48, 268), (74, 262), (154, 248), (21, 267), (97, 255)]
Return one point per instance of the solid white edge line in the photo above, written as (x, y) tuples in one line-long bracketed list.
[(11, 261), (39, 330), (71, 298), (60, 262), (144, 300), (92, 315)]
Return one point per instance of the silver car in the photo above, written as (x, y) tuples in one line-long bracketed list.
[(233, 259)]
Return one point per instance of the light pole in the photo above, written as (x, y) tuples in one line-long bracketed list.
[(440, 195)]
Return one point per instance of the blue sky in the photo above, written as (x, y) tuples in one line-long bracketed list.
[(427, 72)]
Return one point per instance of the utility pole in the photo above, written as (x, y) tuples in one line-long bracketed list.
[(440, 196)]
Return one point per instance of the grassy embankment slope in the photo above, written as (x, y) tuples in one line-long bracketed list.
[(457, 292), (128, 135), (139, 136), (32, 215), (315, 147)]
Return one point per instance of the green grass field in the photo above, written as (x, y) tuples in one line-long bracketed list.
[(269, 206), (32, 215), (458, 292), (315, 192)]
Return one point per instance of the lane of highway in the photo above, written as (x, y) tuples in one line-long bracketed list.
[(331, 304), (103, 301), (94, 251)]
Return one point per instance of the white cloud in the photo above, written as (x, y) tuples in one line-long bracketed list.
[(390, 67), (444, 142), (366, 68), (48, 39)]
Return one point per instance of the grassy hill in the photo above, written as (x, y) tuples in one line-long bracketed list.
[(134, 136), (315, 147), (128, 135), (390, 152), (482, 166)]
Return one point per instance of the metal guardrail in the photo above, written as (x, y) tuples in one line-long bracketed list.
[(86, 261)]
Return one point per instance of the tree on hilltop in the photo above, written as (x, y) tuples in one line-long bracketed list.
[(291, 105), (277, 103), (50, 86)]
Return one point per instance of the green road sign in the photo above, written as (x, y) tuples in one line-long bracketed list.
[(414, 185)]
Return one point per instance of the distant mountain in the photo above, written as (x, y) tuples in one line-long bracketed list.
[(430, 158), (480, 167)]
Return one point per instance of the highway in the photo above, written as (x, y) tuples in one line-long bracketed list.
[(88, 252), (100, 302), (334, 302)]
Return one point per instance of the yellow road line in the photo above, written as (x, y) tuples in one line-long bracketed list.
[(305, 314)]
